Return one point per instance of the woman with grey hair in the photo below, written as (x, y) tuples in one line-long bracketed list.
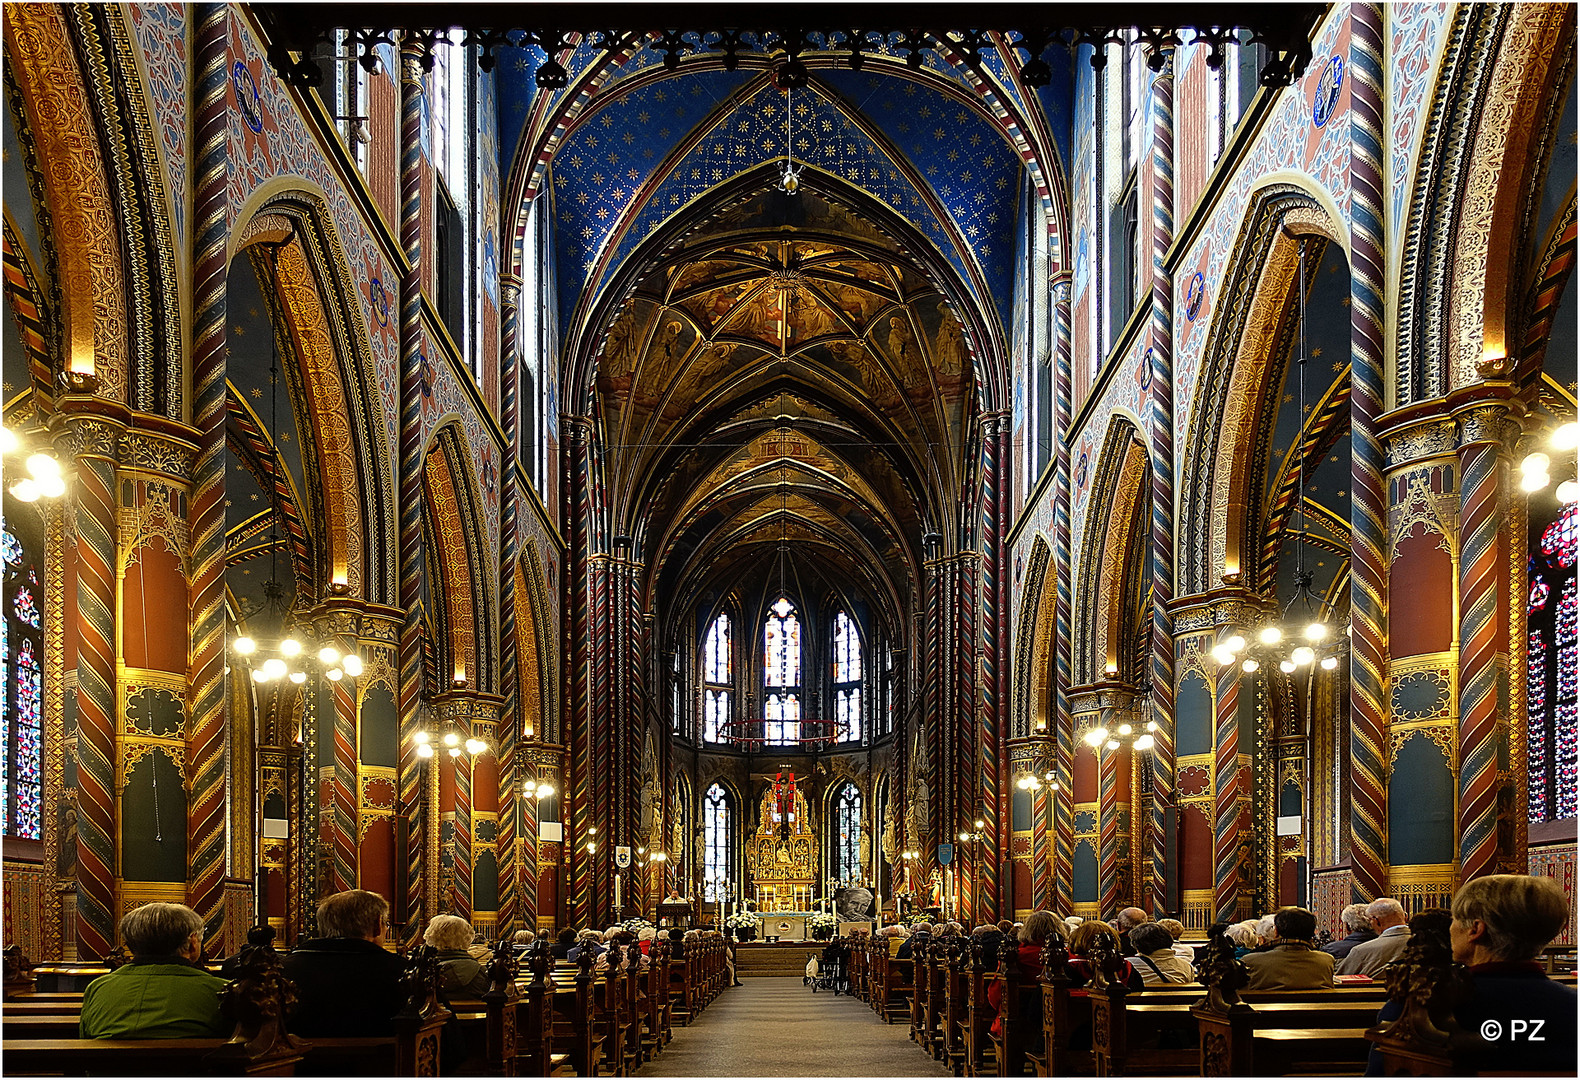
[(162, 993), (1358, 923), (461, 975)]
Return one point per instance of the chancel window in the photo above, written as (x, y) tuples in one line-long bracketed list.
[(847, 679), (847, 833), (718, 841), (782, 675), (716, 681), (22, 690), (1551, 661)]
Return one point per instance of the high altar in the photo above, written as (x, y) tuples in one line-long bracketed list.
[(781, 858)]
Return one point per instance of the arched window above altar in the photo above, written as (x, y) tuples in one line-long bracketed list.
[(782, 674), (718, 680), (847, 679), (22, 656), (718, 843)]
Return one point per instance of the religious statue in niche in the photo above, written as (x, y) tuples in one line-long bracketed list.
[(650, 829)]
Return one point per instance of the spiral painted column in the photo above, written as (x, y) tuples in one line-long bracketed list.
[(511, 803), (964, 723), (1368, 505), (206, 741), (343, 784), (1161, 397), (935, 694), (577, 663), (1041, 882), (1226, 796), (95, 518), (1486, 429), (412, 780), (1063, 722), (600, 762), (985, 875)]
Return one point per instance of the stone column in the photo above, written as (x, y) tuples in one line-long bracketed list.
[(1161, 425)]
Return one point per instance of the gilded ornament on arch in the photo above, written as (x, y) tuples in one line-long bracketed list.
[(1443, 735), (133, 752)]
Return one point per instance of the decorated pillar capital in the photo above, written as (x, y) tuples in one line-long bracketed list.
[(1485, 415)]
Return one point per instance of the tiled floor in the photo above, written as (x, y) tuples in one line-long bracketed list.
[(777, 1027)]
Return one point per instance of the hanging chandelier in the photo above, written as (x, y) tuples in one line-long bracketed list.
[(286, 657), (790, 173), (1300, 637), (749, 730)]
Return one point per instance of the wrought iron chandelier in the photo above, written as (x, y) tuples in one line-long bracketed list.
[(1299, 637), (287, 657)]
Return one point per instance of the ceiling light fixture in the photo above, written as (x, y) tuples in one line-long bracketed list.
[(1298, 639), (790, 174)]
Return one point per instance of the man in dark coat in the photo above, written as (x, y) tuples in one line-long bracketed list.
[(347, 984)]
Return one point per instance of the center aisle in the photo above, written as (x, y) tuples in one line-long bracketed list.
[(778, 1027)]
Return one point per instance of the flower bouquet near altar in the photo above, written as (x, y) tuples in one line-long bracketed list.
[(636, 925), (822, 925), (744, 923)]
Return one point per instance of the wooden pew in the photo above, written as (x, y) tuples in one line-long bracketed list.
[(1147, 1039), (976, 1043), (684, 994), (919, 984), (535, 1049), (956, 1007), (933, 976), (573, 1024)]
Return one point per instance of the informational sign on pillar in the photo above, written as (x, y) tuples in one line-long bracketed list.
[(946, 854)]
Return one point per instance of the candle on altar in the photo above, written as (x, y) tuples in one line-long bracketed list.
[(617, 893)]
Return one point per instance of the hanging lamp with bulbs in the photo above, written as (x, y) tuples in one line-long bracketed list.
[(1300, 637)]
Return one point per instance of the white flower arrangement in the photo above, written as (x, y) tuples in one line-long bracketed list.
[(740, 920), (637, 925), (823, 920)]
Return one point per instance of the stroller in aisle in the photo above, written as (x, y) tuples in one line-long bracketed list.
[(831, 970)]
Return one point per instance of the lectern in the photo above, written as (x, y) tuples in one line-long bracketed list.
[(676, 913)]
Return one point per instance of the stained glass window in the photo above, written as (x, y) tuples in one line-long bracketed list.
[(718, 823), (22, 696), (847, 679), (717, 677), (846, 862), (1551, 661), (782, 675)]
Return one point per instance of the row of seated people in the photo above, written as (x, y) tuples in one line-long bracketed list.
[(608, 1011), (1465, 993)]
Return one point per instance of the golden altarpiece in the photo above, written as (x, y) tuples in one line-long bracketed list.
[(781, 859)]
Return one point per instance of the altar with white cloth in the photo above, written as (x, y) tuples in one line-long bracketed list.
[(790, 925)]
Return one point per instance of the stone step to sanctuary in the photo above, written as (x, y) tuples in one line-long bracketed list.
[(783, 959)]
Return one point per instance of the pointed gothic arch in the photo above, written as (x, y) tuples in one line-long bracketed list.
[(1253, 321)]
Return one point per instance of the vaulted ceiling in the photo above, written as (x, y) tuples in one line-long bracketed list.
[(786, 378)]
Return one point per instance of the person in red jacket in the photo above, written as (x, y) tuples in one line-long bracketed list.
[(1027, 959)]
